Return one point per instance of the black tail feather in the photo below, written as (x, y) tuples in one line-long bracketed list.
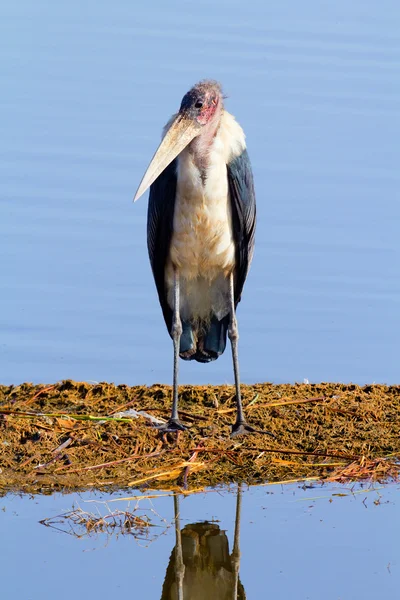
[(204, 344)]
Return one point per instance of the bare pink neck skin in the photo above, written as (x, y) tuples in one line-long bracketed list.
[(200, 146)]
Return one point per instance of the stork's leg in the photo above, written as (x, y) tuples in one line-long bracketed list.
[(235, 556), (241, 427), (233, 334), (176, 331), (179, 564)]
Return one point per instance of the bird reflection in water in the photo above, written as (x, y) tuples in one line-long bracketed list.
[(200, 566)]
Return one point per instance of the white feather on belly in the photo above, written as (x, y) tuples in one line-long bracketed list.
[(202, 246)]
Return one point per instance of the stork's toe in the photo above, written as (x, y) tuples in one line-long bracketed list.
[(243, 428)]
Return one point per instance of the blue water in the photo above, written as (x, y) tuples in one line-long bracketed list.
[(294, 543), (86, 90)]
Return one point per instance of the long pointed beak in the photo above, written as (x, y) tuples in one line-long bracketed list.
[(178, 136)]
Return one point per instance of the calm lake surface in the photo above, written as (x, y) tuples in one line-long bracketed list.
[(86, 90), (331, 542)]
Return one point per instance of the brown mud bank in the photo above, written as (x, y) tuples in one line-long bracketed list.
[(76, 436)]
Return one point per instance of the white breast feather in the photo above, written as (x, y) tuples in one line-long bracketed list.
[(202, 246)]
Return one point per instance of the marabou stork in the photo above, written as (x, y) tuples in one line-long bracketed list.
[(200, 231), (200, 565)]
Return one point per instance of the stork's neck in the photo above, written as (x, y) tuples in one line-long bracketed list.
[(201, 145)]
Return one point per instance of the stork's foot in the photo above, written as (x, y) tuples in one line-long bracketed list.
[(243, 428), (171, 426)]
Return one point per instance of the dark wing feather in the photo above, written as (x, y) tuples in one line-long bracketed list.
[(160, 216), (243, 204)]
